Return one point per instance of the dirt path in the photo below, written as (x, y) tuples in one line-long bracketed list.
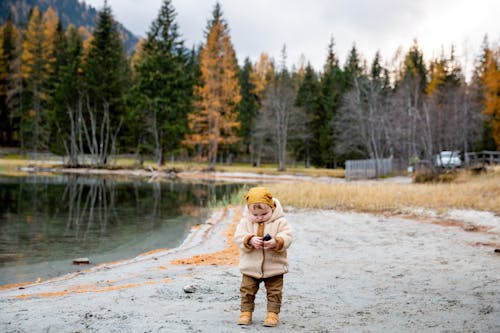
[(349, 273)]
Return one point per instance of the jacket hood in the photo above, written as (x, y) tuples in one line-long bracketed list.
[(277, 212)]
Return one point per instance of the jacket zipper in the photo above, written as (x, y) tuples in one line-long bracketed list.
[(263, 255), (262, 266)]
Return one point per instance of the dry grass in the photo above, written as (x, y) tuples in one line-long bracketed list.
[(11, 165), (271, 169), (481, 192)]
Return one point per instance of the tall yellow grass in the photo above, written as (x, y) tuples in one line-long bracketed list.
[(466, 192)]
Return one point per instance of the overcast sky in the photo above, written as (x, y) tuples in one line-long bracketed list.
[(306, 26)]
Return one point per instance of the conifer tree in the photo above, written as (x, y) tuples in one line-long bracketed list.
[(248, 107), (262, 74), (106, 79), (214, 122), (35, 74), (52, 32), (164, 84), (491, 83), (414, 69), (66, 113), (57, 47), (10, 83), (353, 68), (307, 98), (332, 86), (486, 141)]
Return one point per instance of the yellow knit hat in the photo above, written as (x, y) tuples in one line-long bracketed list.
[(260, 195)]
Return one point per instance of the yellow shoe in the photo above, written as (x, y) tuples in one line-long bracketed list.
[(245, 318), (271, 320)]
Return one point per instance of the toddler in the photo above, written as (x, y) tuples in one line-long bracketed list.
[(263, 236)]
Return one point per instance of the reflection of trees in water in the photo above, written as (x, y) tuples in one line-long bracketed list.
[(89, 203), (93, 211), (92, 204)]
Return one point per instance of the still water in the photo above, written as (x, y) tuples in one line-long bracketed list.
[(46, 222)]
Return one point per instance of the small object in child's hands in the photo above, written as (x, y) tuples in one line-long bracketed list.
[(266, 237)]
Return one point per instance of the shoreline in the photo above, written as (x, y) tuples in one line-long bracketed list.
[(196, 242), (349, 272), (172, 174)]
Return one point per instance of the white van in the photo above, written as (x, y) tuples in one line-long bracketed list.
[(448, 159)]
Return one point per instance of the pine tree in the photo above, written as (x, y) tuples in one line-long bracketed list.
[(10, 83), (34, 71), (248, 107), (164, 84), (332, 86), (307, 98), (106, 80), (353, 67), (214, 123), (66, 115), (414, 68), (57, 47)]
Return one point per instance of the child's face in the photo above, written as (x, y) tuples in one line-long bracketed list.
[(260, 212)]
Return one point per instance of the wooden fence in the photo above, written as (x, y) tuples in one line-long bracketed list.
[(482, 157), (373, 168)]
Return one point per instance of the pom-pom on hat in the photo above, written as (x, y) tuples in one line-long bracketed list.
[(260, 195)]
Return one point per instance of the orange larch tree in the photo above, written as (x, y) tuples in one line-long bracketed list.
[(261, 75), (491, 82), (34, 73), (214, 122)]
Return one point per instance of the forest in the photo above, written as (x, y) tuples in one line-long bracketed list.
[(72, 92)]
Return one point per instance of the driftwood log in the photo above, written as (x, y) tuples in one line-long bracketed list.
[(81, 261)]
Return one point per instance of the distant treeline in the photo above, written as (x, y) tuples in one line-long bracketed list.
[(69, 92)]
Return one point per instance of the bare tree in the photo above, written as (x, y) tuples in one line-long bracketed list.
[(405, 108), (362, 123), (279, 115), (90, 132)]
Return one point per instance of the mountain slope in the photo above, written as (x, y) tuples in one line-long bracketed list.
[(69, 11)]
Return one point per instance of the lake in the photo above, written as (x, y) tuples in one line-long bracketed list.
[(46, 222)]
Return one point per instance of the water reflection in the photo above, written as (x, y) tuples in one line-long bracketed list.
[(47, 221)]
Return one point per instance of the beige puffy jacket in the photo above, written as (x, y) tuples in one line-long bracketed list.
[(264, 263)]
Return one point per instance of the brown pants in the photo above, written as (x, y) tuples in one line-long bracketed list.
[(250, 286)]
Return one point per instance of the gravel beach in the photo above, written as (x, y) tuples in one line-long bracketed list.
[(349, 272)]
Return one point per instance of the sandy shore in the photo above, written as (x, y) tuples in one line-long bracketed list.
[(350, 272)]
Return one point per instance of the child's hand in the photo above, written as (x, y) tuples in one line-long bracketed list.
[(257, 242), (270, 244)]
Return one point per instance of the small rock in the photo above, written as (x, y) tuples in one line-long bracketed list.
[(497, 251), (190, 288), (470, 228)]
